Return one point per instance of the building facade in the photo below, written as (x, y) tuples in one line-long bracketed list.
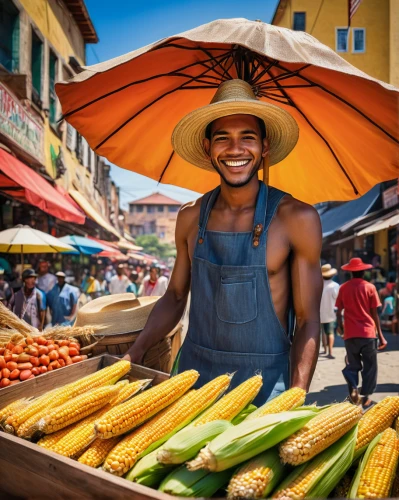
[(42, 42), (154, 214)]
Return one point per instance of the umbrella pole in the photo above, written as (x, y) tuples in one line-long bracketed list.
[(266, 169), (22, 258)]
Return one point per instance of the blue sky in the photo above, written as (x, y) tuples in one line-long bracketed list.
[(125, 25)]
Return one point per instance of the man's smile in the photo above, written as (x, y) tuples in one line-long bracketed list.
[(235, 163)]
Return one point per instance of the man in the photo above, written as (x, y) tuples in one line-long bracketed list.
[(119, 282), (46, 280), (5, 289), (62, 301), (133, 287), (154, 285), (327, 308), (29, 302), (360, 300), (242, 249)]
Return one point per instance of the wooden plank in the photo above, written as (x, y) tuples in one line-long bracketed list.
[(32, 472)]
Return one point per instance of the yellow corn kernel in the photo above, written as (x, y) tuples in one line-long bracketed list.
[(319, 433), (13, 407), (50, 440), (376, 420), (130, 414), (232, 403), (159, 429), (288, 400), (129, 390), (97, 452), (57, 397), (298, 488), (379, 473)]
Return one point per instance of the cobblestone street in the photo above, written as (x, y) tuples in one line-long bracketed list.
[(329, 386)]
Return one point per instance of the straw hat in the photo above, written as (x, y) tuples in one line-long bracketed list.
[(356, 264), (327, 271), (119, 313), (234, 97)]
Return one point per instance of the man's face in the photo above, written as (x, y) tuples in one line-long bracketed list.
[(153, 274), (61, 280), (120, 271), (236, 148), (30, 282), (43, 267)]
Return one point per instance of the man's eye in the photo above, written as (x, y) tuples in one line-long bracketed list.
[(217, 139), (249, 137)]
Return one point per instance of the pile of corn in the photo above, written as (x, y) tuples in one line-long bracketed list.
[(200, 443)]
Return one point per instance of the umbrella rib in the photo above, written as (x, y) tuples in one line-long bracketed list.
[(166, 166), (345, 102), (210, 55), (146, 107), (264, 71), (323, 139), (137, 82)]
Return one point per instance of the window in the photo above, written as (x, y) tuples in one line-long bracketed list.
[(52, 96), (131, 209), (358, 40), (150, 209), (139, 208), (9, 36), (160, 208), (173, 208), (79, 148), (36, 68), (341, 39), (299, 23)]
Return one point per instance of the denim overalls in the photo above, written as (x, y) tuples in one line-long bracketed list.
[(233, 325)]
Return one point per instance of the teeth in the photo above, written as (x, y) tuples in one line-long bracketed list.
[(236, 163)]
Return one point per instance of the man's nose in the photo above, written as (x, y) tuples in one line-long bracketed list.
[(235, 147)]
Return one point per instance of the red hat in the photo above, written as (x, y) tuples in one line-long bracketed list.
[(356, 264)]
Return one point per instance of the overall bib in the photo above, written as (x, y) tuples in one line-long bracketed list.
[(233, 325)]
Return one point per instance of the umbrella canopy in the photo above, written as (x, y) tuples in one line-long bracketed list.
[(24, 239), (84, 245), (128, 107)]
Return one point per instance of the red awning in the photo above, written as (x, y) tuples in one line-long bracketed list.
[(24, 184)]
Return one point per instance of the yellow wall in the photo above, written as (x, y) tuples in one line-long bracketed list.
[(394, 42), (53, 21), (373, 15), (381, 247)]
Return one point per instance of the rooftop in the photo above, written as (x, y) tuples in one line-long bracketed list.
[(156, 199), (80, 13)]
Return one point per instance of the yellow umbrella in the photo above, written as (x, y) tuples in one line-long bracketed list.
[(127, 108), (24, 239)]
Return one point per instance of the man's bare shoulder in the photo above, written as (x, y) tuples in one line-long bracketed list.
[(300, 219), (189, 213)]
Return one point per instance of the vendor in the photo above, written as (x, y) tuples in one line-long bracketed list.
[(249, 253)]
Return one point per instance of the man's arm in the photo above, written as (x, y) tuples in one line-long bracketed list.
[(376, 319), (340, 324), (170, 307), (307, 285)]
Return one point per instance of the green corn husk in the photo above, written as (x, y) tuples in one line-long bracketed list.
[(149, 471), (189, 441), (244, 414), (258, 477), (181, 482), (251, 437), (329, 468)]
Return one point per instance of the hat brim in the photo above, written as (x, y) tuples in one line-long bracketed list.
[(361, 267), (330, 273), (282, 131)]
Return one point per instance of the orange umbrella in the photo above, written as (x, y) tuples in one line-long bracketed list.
[(127, 107)]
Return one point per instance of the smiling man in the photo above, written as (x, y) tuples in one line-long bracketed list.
[(250, 253)]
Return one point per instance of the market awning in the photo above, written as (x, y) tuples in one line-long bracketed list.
[(25, 185), (126, 245), (336, 217), (92, 212), (387, 223)]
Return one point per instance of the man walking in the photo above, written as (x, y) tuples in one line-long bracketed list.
[(241, 251), (359, 300), (327, 308), (120, 282), (45, 280), (29, 302), (154, 285), (62, 301)]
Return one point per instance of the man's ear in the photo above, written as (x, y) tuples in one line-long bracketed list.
[(265, 147), (206, 144)]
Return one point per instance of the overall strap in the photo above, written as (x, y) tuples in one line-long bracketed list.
[(207, 203), (275, 196), (260, 214)]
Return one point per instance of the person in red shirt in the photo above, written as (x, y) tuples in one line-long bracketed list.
[(359, 300)]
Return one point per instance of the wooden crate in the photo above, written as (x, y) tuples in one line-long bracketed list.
[(28, 471)]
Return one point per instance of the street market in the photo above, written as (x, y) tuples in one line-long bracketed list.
[(199, 271)]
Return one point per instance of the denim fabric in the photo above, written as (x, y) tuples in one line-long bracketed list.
[(233, 325)]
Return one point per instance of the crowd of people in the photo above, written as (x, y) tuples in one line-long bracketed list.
[(42, 298)]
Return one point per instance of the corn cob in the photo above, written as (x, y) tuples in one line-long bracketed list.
[(200, 483), (187, 443), (50, 440), (376, 420), (134, 412), (97, 452), (288, 400), (159, 429), (258, 477), (57, 397), (244, 414), (320, 433), (129, 390), (396, 426), (318, 477), (13, 407), (148, 471), (376, 472), (251, 437)]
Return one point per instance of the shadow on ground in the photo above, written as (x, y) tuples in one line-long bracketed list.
[(338, 393)]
